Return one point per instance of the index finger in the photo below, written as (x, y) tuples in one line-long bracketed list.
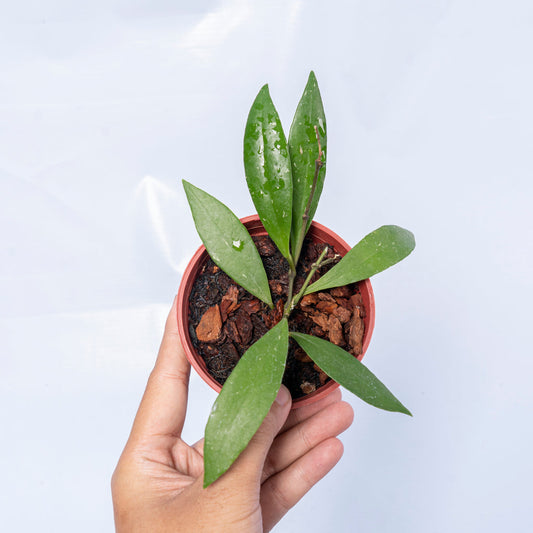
[(164, 403)]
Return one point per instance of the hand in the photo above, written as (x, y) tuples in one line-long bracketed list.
[(157, 484)]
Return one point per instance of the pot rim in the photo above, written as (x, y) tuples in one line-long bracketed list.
[(253, 223)]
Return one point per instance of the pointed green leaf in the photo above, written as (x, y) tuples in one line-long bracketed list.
[(228, 242), (244, 401), (303, 149), (345, 369), (379, 250), (268, 169)]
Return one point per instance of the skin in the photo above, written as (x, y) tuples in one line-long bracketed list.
[(157, 484)]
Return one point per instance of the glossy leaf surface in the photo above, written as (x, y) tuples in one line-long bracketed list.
[(268, 169), (244, 401), (228, 242), (378, 251), (303, 148), (348, 371)]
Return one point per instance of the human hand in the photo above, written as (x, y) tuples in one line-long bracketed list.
[(157, 484)]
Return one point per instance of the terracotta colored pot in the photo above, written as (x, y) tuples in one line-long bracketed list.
[(317, 233)]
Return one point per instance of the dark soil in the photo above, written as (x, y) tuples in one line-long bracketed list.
[(225, 320)]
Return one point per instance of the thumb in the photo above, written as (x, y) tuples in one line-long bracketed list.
[(250, 462)]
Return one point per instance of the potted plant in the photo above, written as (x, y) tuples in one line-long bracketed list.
[(316, 298)]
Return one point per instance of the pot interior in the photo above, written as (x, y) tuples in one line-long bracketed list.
[(318, 234)]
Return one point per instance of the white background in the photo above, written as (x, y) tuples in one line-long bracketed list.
[(106, 106)]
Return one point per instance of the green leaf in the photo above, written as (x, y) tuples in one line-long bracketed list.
[(379, 250), (244, 401), (228, 242), (268, 169), (347, 370), (303, 149)]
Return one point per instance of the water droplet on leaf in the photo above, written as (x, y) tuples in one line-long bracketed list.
[(237, 245)]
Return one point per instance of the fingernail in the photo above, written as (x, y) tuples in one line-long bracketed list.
[(283, 396)]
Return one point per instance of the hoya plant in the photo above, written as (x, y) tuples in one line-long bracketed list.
[(285, 179)]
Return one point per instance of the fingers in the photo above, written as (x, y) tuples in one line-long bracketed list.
[(294, 443), (164, 404), (199, 447), (186, 460), (282, 491), (249, 464), (298, 415)]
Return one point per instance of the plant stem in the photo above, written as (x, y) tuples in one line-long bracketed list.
[(314, 267), (330, 260), (291, 302)]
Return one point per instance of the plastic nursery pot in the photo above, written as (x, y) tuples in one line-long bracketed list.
[(318, 234)]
